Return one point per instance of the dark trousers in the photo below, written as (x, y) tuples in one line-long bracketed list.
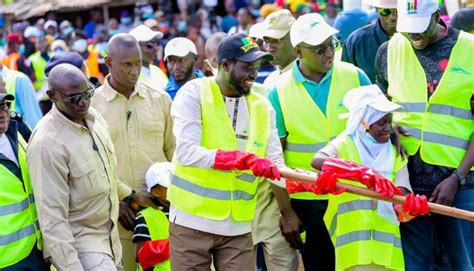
[(34, 262), (318, 251)]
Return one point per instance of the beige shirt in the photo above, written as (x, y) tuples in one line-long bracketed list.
[(140, 127), (76, 188)]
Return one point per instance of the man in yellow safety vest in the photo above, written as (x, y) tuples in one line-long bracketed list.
[(427, 68)]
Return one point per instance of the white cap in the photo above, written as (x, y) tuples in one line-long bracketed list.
[(255, 31), (381, 3), (366, 103), (143, 33), (370, 95), (414, 16), (311, 29), (50, 23), (158, 173), (277, 24), (180, 47), (31, 31)]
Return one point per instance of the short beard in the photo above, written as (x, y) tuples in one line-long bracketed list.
[(187, 76), (233, 82)]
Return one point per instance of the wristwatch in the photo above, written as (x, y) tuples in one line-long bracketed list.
[(129, 199), (462, 179)]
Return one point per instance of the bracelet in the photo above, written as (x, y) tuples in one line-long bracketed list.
[(462, 179), (128, 199)]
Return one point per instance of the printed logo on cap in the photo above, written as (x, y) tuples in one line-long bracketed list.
[(412, 6), (248, 44), (313, 24)]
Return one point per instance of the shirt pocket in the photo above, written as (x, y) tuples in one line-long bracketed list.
[(87, 180), (152, 135)]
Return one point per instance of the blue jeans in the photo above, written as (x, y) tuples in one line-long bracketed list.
[(424, 237)]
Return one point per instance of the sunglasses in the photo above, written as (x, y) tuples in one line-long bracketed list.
[(75, 99), (322, 49), (151, 44), (5, 106), (384, 12)]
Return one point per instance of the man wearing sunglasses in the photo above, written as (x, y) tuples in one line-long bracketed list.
[(21, 248), (361, 46), (73, 171), (308, 102), (148, 41), (427, 68)]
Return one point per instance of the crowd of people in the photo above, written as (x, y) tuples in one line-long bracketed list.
[(158, 142)]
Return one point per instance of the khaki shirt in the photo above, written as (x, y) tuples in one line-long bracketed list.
[(140, 127), (76, 188)]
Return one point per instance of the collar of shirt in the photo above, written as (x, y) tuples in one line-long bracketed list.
[(57, 115), (300, 78), (174, 86), (110, 93)]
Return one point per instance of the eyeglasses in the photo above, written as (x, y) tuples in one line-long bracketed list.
[(385, 12), (5, 106), (75, 99), (322, 49)]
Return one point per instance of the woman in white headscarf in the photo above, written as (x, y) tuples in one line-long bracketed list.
[(365, 232)]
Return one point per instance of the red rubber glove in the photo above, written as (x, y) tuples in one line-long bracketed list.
[(261, 167), (352, 171), (153, 253), (414, 205), (325, 184)]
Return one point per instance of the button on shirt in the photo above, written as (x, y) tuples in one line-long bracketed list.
[(73, 173), (186, 113), (140, 127), (362, 45), (319, 92)]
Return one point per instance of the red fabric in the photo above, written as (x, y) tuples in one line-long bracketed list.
[(343, 169), (153, 253), (14, 37), (325, 184), (228, 160)]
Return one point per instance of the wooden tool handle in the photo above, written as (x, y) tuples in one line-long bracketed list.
[(434, 207)]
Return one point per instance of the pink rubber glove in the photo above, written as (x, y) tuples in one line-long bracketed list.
[(153, 253), (325, 184), (414, 205), (261, 167)]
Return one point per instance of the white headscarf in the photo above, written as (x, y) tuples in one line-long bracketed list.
[(366, 106)]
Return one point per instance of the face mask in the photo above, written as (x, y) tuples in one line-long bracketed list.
[(113, 32), (68, 30), (182, 26), (22, 49), (213, 70), (79, 45), (126, 20)]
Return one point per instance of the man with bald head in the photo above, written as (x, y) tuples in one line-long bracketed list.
[(210, 63), (73, 174), (140, 125)]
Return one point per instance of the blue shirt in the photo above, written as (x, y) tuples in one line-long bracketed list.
[(172, 87), (318, 91), (361, 47), (25, 98)]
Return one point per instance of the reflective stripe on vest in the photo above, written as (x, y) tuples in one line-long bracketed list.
[(310, 129), (218, 194), (441, 125), (355, 226), (158, 227), (17, 210)]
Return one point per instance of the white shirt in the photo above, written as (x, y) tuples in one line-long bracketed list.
[(186, 114), (272, 78), (6, 149)]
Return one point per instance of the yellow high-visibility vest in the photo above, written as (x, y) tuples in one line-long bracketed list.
[(10, 85), (441, 126), (217, 194), (158, 227), (309, 129), (359, 234), (20, 228)]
